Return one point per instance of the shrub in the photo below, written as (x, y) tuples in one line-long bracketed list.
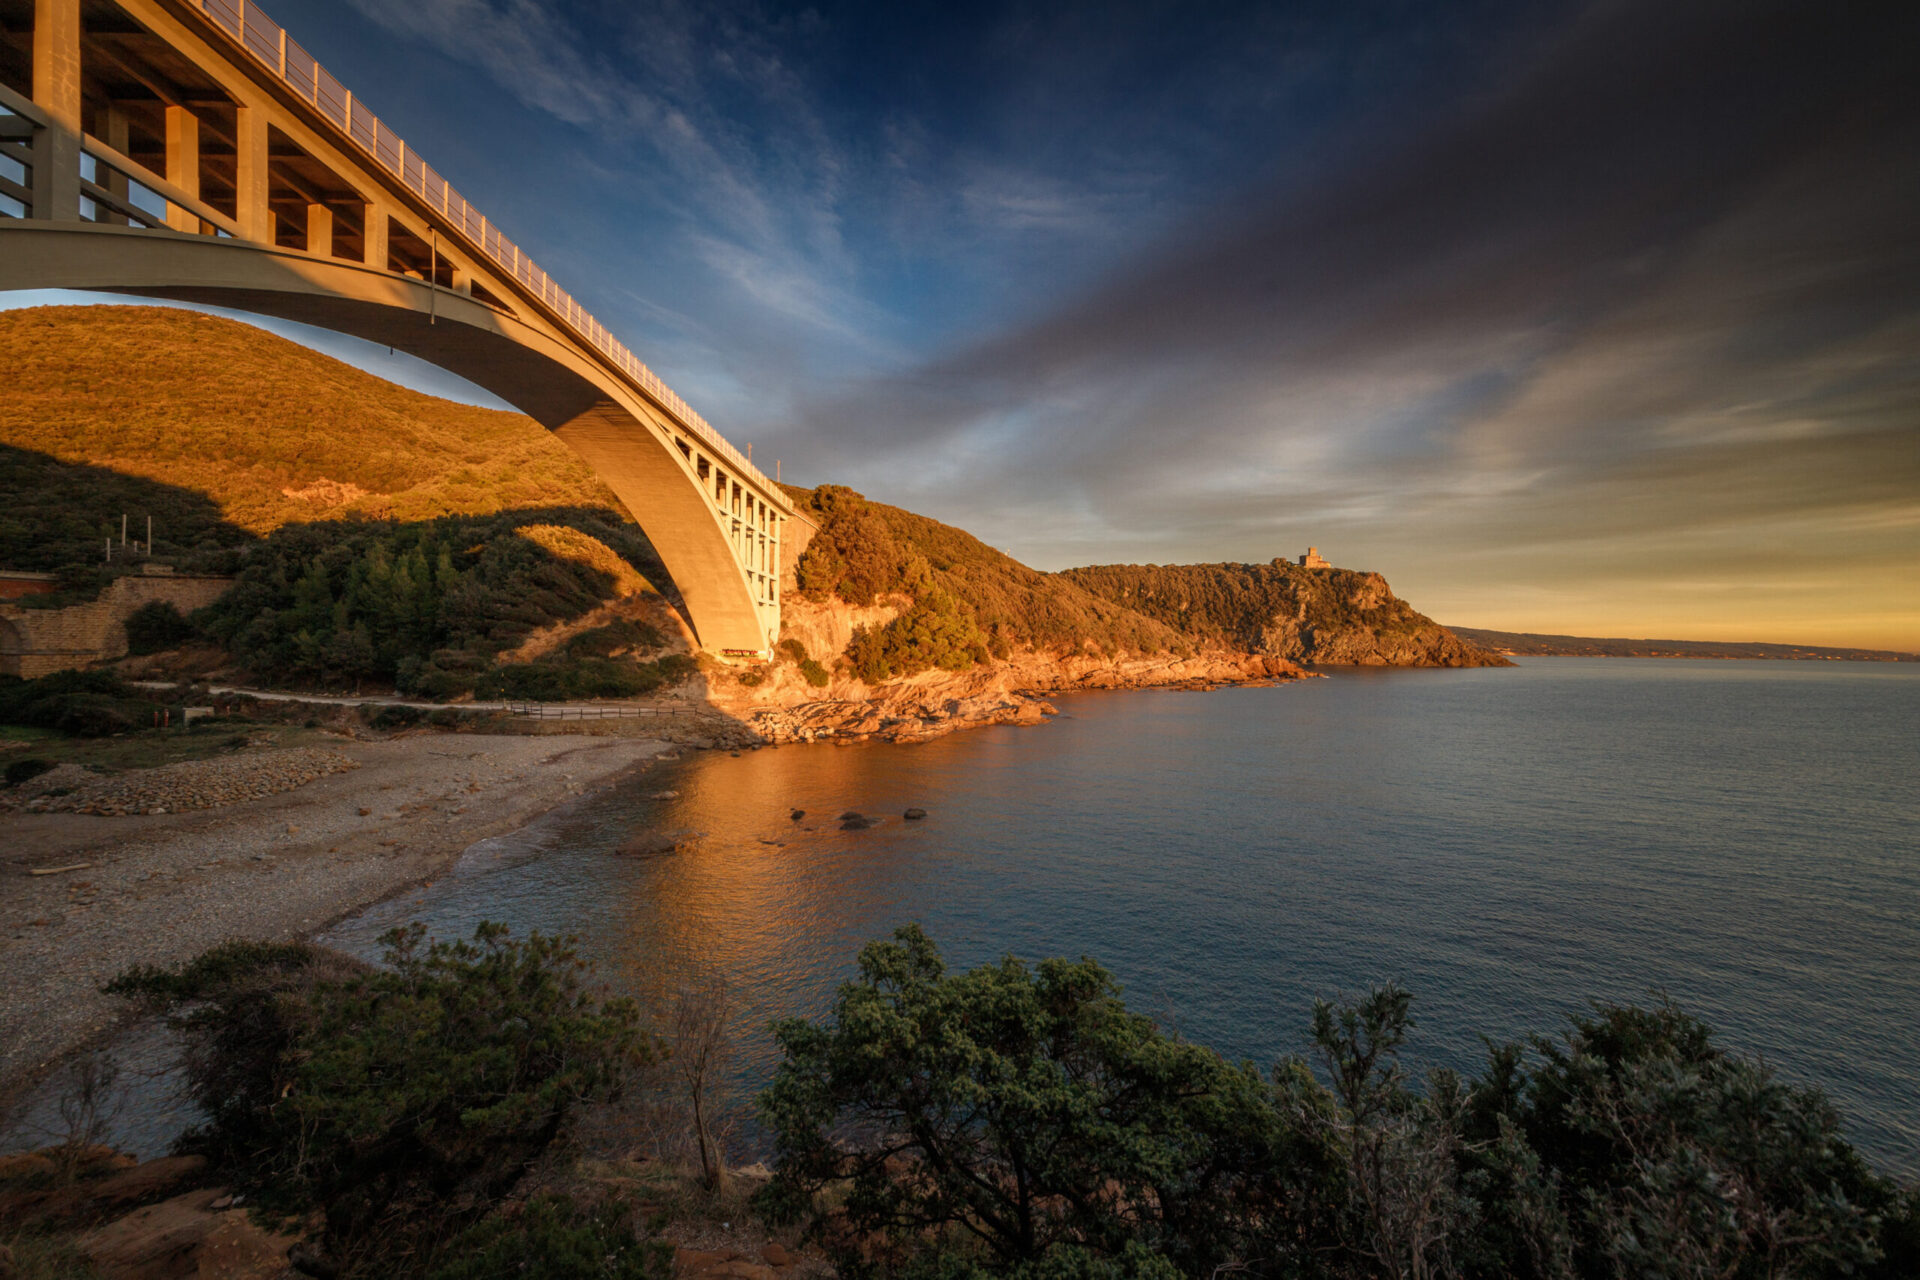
[(395, 1100), (87, 704), (1024, 1111), (396, 717), (936, 632), (815, 673), (1016, 1121), (157, 626), (792, 650), (617, 636), (19, 771), (552, 1238)]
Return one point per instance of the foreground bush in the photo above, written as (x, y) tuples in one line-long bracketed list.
[(552, 1238), (86, 704), (398, 1101), (1017, 1121), (1013, 1118)]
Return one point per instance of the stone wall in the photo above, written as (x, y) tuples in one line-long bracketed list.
[(38, 642)]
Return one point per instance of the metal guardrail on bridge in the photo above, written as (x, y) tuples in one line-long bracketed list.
[(266, 42)]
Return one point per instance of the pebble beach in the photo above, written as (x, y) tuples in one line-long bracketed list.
[(154, 866)]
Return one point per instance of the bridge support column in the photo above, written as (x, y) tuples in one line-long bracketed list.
[(114, 130), (56, 91), (183, 165), (250, 196), (320, 230), (376, 237)]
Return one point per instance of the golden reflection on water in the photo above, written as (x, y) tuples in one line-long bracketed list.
[(757, 898)]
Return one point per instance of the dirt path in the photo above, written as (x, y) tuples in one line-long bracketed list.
[(163, 888)]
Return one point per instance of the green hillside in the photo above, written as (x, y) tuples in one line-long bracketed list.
[(379, 535), (971, 603), (219, 430), (1335, 616)]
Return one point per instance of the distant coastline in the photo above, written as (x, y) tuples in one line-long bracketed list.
[(1530, 644)]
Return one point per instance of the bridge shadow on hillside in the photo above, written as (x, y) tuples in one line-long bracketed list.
[(55, 514), (531, 604)]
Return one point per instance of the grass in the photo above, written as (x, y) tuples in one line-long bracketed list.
[(223, 432), (38, 1255), (145, 748)]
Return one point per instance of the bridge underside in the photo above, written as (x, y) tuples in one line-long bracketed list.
[(622, 438), (190, 150)]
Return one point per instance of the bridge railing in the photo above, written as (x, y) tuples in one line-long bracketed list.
[(18, 124), (268, 44), (590, 711)]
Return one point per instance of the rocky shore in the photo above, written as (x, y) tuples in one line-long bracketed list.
[(177, 788), (784, 708)]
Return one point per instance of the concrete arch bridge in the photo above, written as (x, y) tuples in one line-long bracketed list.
[(192, 150)]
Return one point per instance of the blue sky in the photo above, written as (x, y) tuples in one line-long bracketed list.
[(1588, 317)]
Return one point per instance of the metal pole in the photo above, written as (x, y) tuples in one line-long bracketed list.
[(433, 279)]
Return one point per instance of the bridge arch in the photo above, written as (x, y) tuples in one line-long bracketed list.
[(323, 217)]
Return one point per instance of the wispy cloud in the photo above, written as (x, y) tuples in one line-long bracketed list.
[(1505, 295)]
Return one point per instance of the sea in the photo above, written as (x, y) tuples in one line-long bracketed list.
[(1510, 845)]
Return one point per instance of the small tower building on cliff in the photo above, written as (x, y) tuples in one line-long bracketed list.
[(1312, 560)]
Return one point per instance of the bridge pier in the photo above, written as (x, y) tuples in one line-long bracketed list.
[(56, 91), (183, 166)]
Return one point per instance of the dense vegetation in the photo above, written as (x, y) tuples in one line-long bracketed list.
[(427, 606), (86, 704), (970, 601), (1328, 615), (1015, 1121), (1019, 1122), (57, 515), (406, 1102), (379, 534)]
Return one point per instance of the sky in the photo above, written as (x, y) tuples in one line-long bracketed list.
[(1595, 318)]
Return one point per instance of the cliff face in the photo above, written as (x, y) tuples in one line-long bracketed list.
[(779, 704), (1280, 610)]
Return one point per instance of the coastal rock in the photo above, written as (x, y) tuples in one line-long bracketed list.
[(855, 822), (649, 843), (914, 815), (796, 815), (187, 1236)]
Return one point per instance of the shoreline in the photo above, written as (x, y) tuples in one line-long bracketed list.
[(159, 889)]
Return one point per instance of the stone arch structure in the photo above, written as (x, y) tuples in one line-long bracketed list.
[(13, 648)]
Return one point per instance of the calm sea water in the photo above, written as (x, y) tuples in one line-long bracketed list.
[(1508, 844)]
